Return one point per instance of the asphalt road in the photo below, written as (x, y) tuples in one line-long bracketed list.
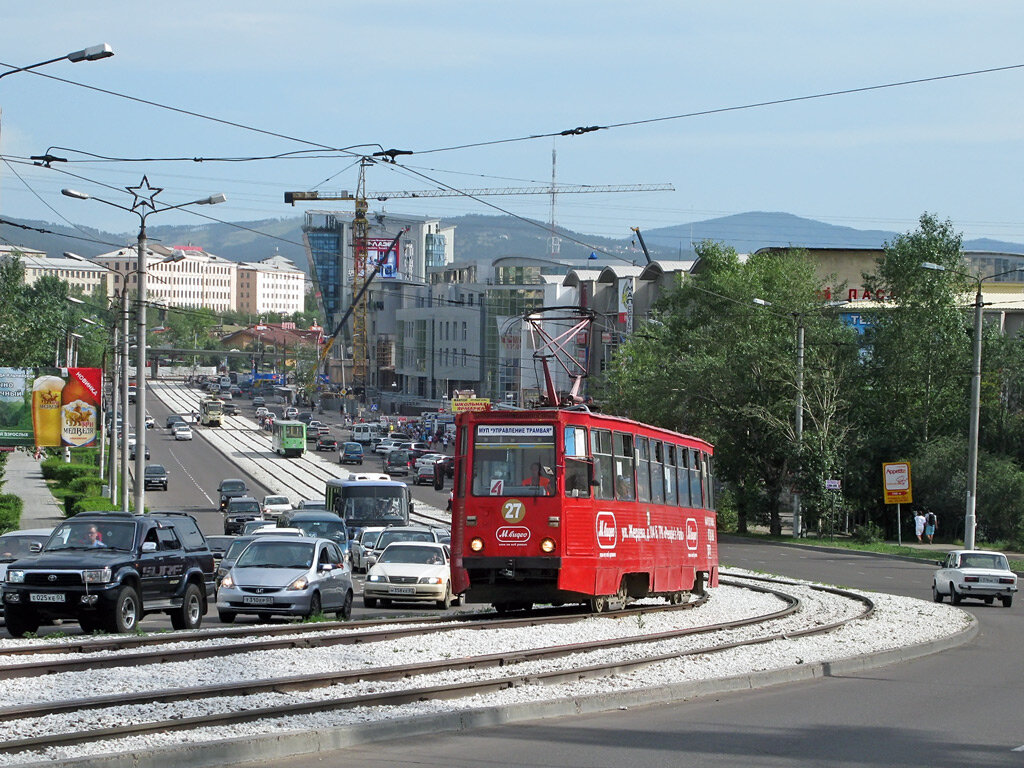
[(958, 708)]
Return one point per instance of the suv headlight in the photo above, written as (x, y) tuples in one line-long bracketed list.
[(16, 577), (97, 575)]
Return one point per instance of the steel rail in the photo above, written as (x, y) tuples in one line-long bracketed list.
[(401, 672), (324, 634)]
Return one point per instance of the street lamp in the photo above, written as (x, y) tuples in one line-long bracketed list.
[(970, 517), (93, 53), (144, 196)]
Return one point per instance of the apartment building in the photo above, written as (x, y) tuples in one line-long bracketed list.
[(76, 273), (271, 285)]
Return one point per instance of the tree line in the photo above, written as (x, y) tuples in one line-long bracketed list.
[(713, 362)]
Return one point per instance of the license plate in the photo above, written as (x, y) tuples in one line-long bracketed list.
[(248, 600), (401, 590), (46, 597), (989, 580)]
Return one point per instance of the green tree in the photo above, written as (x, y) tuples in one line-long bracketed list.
[(715, 364)]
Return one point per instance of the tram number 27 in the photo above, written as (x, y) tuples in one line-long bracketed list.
[(513, 511)]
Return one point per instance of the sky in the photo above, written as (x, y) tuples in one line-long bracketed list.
[(268, 78)]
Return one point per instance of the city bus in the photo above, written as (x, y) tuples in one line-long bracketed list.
[(288, 438), (371, 502), (211, 411)]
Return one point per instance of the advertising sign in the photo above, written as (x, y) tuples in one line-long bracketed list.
[(896, 481), (460, 404), (377, 253), (626, 302), (50, 407)]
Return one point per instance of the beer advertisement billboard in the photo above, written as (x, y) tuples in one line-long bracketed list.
[(50, 407)]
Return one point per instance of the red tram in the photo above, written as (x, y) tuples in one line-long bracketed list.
[(565, 505)]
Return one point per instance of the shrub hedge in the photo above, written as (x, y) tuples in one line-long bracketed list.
[(10, 512)]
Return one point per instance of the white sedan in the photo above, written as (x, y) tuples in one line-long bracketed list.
[(976, 574), (182, 432), (413, 571), (275, 506), (428, 460)]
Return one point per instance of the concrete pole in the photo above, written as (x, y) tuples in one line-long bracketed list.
[(972, 444), (125, 426), (140, 379)]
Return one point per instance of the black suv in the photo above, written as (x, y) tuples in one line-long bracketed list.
[(155, 476), (229, 489), (106, 570), (239, 511)]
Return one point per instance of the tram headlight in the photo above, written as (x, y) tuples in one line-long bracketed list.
[(547, 546), (477, 545)]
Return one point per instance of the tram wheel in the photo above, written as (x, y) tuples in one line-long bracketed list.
[(598, 604)]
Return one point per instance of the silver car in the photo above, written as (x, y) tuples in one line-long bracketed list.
[(287, 576)]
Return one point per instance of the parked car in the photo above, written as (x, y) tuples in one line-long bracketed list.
[(326, 443), (411, 571), (132, 442), (182, 432), (399, 533), (275, 506), (351, 453), (276, 576), (155, 476), (975, 574), (397, 462)]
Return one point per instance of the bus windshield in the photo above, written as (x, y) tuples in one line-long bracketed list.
[(374, 505), (514, 460)]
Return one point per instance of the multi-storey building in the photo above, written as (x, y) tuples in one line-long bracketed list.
[(271, 285), (75, 272), (193, 278)]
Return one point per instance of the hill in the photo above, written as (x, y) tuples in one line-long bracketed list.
[(481, 237)]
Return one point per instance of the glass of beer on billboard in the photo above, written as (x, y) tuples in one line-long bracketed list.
[(46, 395)]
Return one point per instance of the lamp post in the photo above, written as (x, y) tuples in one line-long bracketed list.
[(144, 196), (970, 511), (93, 53)]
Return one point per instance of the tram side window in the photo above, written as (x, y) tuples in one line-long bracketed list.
[(604, 468), (712, 501), (577, 468), (670, 474), (643, 470), (683, 476), (461, 450), (624, 467), (696, 495), (657, 472)]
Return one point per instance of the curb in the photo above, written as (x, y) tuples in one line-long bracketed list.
[(260, 749)]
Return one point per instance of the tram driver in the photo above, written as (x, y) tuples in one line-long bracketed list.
[(540, 477)]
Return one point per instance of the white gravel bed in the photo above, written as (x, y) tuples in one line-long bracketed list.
[(898, 622)]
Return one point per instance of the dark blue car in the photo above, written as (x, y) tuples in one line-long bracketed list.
[(351, 453)]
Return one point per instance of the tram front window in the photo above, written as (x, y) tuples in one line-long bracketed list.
[(514, 460)]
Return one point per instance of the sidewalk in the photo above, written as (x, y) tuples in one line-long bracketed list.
[(24, 478)]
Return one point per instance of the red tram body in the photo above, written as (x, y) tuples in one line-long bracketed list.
[(567, 506)]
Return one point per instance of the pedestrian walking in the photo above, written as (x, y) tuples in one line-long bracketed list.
[(930, 522), (919, 523)]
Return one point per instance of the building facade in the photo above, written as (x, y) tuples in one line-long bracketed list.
[(194, 278), (271, 285), (78, 274)]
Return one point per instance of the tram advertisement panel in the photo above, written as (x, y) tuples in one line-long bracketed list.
[(50, 406)]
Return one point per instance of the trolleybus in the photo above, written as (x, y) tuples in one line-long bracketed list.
[(211, 411), (288, 438), (369, 502)]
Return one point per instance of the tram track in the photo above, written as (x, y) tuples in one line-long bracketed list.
[(249, 447), (386, 686)]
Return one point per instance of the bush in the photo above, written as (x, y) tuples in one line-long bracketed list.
[(71, 504), (728, 517), (10, 512), (96, 503), (87, 486), (869, 533), (65, 474)]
